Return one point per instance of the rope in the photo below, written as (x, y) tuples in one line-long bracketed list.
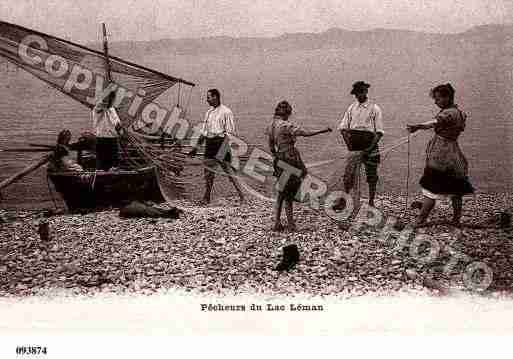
[(51, 192), (407, 177), (357, 185), (167, 167), (93, 182), (178, 99), (188, 101), (384, 152), (356, 188)]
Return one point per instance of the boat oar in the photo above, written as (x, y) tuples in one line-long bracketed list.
[(25, 171), (41, 145), (27, 150)]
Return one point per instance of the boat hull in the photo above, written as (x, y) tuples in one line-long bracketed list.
[(91, 190)]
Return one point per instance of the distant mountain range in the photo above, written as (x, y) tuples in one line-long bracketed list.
[(485, 35)]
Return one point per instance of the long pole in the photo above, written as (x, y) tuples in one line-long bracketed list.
[(106, 52), (25, 171)]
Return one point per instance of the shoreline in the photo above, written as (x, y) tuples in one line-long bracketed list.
[(30, 206)]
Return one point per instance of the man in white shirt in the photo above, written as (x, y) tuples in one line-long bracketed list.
[(365, 116), (106, 125), (218, 126)]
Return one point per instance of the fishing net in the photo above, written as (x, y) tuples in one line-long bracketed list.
[(347, 175), (349, 172), (81, 73), (168, 159)]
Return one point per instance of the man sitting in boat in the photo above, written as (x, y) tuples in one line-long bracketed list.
[(61, 160), (106, 125)]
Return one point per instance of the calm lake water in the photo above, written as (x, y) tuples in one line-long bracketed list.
[(316, 82)]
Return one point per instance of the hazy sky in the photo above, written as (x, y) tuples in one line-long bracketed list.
[(154, 19)]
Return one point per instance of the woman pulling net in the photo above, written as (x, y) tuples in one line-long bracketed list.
[(446, 171), (282, 136)]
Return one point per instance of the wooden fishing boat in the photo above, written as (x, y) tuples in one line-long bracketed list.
[(100, 189), (56, 61)]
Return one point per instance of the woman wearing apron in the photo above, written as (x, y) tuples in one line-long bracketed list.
[(282, 138), (446, 171)]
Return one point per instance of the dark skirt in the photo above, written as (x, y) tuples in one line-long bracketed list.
[(293, 158), (439, 182), (446, 168), (215, 148)]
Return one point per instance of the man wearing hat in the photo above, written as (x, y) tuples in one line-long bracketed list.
[(365, 115)]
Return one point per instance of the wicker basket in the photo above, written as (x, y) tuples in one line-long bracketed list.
[(358, 140)]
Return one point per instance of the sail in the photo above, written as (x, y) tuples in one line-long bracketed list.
[(80, 72)]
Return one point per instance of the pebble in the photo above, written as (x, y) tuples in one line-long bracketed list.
[(411, 273), (239, 252)]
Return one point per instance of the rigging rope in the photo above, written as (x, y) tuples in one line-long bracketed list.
[(178, 99)]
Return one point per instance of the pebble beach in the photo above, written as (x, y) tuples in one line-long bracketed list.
[(224, 249)]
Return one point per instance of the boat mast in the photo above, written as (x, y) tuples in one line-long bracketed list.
[(106, 52)]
